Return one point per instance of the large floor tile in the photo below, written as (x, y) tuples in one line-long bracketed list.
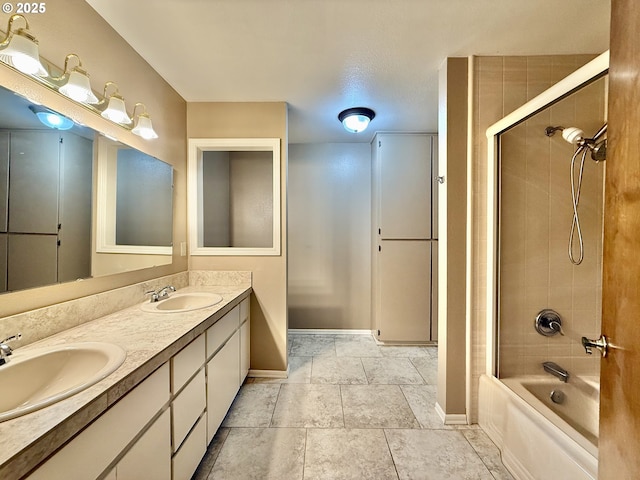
[(338, 370), (308, 405), (422, 400), (253, 406), (427, 367), (312, 345), (348, 454), (391, 371), (261, 454), (376, 406), (207, 463), (356, 346), (299, 372), (488, 452), (435, 455)]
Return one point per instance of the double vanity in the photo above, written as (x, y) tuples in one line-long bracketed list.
[(138, 393)]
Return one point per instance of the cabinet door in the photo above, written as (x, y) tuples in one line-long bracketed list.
[(74, 254), (34, 182), (150, 457), (222, 383), (32, 261), (4, 180), (404, 177), (404, 277)]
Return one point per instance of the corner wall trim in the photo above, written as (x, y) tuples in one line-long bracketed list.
[(451, 418), (328, 331)]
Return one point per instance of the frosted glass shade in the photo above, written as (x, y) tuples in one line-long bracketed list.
[(144, 128), (78, 88), (116, 111), (22, 53), (356, 120)]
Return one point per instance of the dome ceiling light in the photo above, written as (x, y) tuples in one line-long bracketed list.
[(356, 120)]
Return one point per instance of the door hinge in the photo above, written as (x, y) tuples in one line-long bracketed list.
[(59, 242), (378, 332), (61, 140), (59, 226), (379, 143), (379, 231), (379, 248)]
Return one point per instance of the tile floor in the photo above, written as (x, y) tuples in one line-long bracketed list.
[(350, 409)]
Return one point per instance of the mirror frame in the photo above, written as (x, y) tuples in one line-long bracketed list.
[(106, 204), (194, 196), (585, 74)]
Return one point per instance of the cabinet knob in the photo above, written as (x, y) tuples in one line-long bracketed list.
[(440, 179)]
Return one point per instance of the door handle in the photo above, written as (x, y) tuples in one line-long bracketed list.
[(601, 344)]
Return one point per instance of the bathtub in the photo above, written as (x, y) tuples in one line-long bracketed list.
[(538, 438)]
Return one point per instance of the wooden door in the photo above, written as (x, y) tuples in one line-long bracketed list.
[(619, 445)]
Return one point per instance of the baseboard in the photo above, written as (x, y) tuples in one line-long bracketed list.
[(268, 373), (451, 418), (328, 331)]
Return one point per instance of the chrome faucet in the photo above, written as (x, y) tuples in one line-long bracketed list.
[(157, 295), (5, 350), (556, 370)]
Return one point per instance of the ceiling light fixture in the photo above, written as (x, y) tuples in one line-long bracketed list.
[(143, 127), (20, 49), (356, 120), (77, 87), (116, 110), (50, 118)]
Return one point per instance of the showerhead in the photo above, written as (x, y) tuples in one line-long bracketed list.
[(573, 135), (576, 137)]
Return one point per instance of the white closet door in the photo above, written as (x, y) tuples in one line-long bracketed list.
[(405, 186), (404, 278)]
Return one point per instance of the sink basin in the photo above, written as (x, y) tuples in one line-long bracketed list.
[(183, 302), (35, 379)]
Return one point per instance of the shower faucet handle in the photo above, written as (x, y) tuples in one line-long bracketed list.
[(601, 344)]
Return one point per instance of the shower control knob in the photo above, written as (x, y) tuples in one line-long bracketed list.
[(601, 344)]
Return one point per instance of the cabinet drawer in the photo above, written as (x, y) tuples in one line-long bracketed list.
[(244, 309), (187, 407), (223, 382), (89, 453), (186, 362), (222, 329), (193, 449)]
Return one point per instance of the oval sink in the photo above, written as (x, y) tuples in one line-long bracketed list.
[(35, 379), (183, 302)]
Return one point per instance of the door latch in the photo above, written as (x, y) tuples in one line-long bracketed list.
[(601, 344)]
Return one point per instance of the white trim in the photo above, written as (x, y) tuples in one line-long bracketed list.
[(328, 331), (452, 418), (268, 373), (469, 252), (594, 68), (194, 191)]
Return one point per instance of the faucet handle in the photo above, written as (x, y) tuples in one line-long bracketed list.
[(17, 336), (601, 344)]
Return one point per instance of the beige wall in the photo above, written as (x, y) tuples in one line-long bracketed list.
[(501, 84), (329, 236), (73, 26), (536, 212), (452, 231), (269, 300)]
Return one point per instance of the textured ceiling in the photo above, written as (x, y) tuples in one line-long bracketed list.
[(322, 56)]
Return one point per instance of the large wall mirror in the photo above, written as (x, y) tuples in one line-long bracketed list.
[(234, 196), (48, 219)]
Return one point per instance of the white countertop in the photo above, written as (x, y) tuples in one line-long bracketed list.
[(150, 339)]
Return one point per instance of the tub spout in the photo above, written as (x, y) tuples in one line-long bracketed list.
[(556, 370)]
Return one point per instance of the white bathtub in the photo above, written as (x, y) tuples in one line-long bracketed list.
[(537, 438)]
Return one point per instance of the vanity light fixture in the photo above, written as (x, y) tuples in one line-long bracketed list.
[(143, 127), (77, 87), (20, 49), (116, 110), (356, 120), (50, 118)]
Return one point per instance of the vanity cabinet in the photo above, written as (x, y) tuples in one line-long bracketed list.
[(161, 428)]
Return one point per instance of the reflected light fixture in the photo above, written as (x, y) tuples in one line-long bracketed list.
[(50, 118), (20, 49), (116, 110), (356, 120), (77, 86), (143, 126)]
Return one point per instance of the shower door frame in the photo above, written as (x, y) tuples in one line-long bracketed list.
[(592, 70)]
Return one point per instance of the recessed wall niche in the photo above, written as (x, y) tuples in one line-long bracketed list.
[(235, 207)]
